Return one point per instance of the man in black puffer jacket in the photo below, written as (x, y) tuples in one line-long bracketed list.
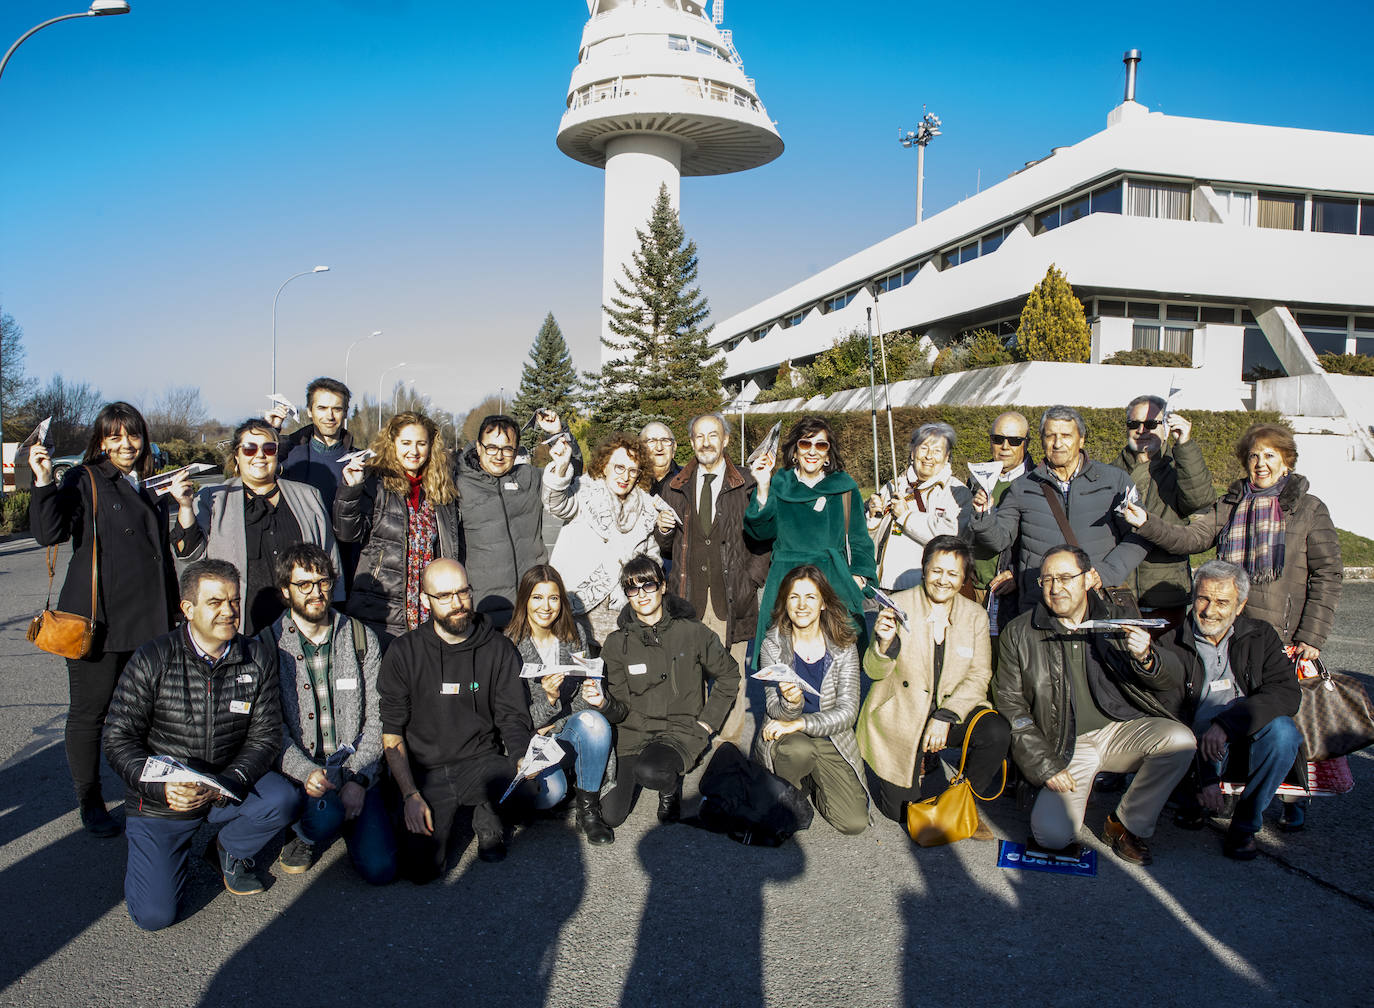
[(207, 697)]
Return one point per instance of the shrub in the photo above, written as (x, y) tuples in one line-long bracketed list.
[(979, 349), (1348, 364), (1053, 326), (1150, 358), (180, 453), (15, 517)]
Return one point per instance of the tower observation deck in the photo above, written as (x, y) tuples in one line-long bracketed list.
[(658, 92)]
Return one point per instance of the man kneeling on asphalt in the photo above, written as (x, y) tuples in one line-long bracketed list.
[(455, 723), (1240, 695), (331, 721), (206, 696), (1082, 701)]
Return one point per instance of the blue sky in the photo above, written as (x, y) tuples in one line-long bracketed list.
[(166, 170)]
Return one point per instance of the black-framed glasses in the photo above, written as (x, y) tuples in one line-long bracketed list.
[(1058, 580), (1147, 424), (498, 451), (1007, 439), (322, 585), (250, 448), (638, 587), (448, 598)]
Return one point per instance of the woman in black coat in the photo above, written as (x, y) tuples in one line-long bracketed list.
[(136, 584)]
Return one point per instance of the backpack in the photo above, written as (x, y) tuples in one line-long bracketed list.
[(748, 803)]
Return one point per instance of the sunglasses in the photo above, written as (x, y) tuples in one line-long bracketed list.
[(1147, 424), (268, 448), (813, 444), (639, 587), (1006, 439)]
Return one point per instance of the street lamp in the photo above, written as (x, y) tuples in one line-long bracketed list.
[(317, 269), (927, 130), (381, 384), (361, 339), (99, 8)]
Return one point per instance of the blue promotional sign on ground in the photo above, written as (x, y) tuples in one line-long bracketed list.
[(1014, 855)]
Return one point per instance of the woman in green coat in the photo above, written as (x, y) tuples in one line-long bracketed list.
[(812, 512)]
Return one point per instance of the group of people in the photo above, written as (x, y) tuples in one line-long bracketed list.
[(365, 642)]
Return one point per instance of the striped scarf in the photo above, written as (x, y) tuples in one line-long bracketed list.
[(1254, 538)]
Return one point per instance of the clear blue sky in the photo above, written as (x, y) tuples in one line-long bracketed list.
[(166, 170)]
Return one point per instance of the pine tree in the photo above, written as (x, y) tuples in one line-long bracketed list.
[(548, 378), (660, 366), (1053, 326)]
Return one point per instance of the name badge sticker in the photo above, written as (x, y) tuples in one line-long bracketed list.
[(239, 706), (638, 669), (346, 684), (820, 504), (964, 652), (450, 688), (511, 486)]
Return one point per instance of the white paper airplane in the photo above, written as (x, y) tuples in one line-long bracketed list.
[(542, 753), (285, 404), (360, 456), (160, 484), (1149, 623), (768, 446), (39, 436), (1131, 496), (985, 474), (885, 600), (780, 673), (589, 668), (169, 770)]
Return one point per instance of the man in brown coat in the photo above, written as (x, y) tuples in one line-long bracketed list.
[(714, 565)]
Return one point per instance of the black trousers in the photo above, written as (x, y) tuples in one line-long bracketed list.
[(986, 750), (657, 767), (477, 784), (90, 685)]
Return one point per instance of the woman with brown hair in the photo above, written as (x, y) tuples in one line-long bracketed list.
[(251, 519), (610, 517), (808, 737), (136, 587), (569, 710), (402, 508)]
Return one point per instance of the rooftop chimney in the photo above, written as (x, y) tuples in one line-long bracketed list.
[(1131, 58)]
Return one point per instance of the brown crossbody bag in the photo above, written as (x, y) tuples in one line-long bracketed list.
[(62, 633)]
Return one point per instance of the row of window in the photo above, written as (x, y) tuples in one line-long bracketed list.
[(1298, 211), (699, 87), (677, 43)]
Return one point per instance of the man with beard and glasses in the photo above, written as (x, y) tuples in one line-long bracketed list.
[(455, 723), (331, 722)]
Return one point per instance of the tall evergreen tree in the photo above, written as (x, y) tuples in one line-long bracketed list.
[(548, 378), (660, 366), (1053, 326)]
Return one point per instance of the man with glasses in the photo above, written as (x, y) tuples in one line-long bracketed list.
[(1171, 476), (994, 570), (1086, 699), (1067, 498), (332, 727), (715, 566), (503, 512), (661, 445), (660, 663), (455, 723)]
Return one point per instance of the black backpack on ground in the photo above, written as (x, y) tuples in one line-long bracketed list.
[(747, 803)]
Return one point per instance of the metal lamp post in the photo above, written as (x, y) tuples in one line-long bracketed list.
[(317, 269), (927, 130), (381, 384), (361, 339)]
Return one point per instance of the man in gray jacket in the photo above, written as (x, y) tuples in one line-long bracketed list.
[(1069, 486), (331, 722)]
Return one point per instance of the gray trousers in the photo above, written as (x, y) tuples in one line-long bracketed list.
[(1157, 749)]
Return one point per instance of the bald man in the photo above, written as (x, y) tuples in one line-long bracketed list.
[(455, 722), (661, 448), (993, 571)]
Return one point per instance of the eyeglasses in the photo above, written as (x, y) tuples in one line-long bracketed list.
[(498, 451), (322, 585), (250, 448), (1147, 424), (448, 598), (813, 444), (1006, 439), (1058, 580), (642, 587), (623, 471), (660, 442)]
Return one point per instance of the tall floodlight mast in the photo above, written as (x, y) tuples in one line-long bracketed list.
[(658, 92)]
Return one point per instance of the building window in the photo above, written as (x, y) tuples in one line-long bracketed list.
[(1224, 316), (968, 252), (1237, 206), (1180, 313), (1107, 199), (1048, 220), (1137, 309), (838, 301), (1171, 339), (679, 43), (1111, 309), (1258, 359), (1280, 210), (1166, 200), (1367, 217), (794, 319), (1074, 210), (992, 242), (1334, 215)]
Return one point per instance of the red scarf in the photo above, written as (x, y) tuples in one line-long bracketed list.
[(413, 498)]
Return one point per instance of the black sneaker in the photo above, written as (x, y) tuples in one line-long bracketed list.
[(239, 877), (491, 847), (97, 819), (670, 805), (296, 856)]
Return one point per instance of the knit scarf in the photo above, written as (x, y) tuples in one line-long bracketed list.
[(1254, 538), (422, 529), (413, 498)]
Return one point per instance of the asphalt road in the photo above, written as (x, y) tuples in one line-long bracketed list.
[(671, 915)]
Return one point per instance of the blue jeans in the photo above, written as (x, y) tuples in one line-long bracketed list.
[(588, 733), (370, 838), (1266, 757), (156, 876)]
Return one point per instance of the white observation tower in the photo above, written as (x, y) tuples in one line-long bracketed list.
[(658, 92)]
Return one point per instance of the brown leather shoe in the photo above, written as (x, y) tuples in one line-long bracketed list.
[(1125, 844)]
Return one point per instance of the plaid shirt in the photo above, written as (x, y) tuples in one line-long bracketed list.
[(317, 667)]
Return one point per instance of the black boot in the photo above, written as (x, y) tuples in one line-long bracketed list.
[(670, 804), (95, 817), (589, 819)]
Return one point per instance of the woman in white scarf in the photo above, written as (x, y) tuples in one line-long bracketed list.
[(921, 503)]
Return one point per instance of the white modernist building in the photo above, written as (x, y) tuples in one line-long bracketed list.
[(658, 92), (1249, 248)]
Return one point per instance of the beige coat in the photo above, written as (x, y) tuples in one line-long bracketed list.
[(893, 719)]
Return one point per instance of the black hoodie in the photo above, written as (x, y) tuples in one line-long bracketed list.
[(454, 702)]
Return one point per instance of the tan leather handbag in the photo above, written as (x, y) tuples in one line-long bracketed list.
[(952, 815), (62, 633)]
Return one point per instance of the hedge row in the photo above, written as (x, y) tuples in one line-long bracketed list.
[(1215, 432)]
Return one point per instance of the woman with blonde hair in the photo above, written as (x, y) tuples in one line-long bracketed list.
[(402, 508)]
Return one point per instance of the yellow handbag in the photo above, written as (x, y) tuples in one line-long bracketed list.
[(68, 635), (952, 815)]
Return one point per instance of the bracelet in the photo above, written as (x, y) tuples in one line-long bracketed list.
[(411, 795)]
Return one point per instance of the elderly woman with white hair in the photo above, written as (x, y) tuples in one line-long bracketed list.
[(923, 502)]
